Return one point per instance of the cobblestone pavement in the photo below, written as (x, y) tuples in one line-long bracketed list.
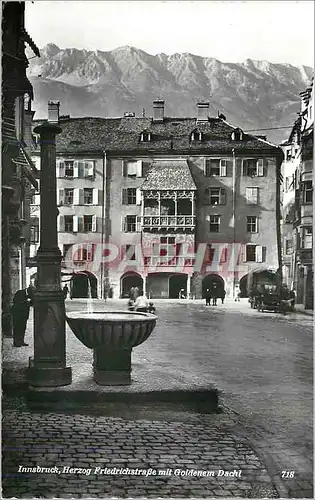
[(172, 449), (262, 363)]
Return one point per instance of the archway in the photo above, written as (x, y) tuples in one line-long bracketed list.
[(213, 282), (177, 282), (243, 286), (83, 284), (128, 281)]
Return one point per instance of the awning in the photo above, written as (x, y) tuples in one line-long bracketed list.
[(27, 165), (171, 175)]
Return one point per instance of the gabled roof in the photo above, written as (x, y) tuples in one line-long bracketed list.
[(173, 135), (169, 175)]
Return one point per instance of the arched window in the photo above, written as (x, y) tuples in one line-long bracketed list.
[(237, 135), (196, 135), (145, 136)]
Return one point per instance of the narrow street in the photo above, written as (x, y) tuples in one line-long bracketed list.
[(261, 363)]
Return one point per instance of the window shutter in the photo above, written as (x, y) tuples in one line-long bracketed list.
[(75, 223), (223, 164), (60, 169), (124, 198), (60, 223), (95, 196), (124, 168), (243, 253), (255, 196), (60, 196), (76, 169), (259, 253), (138, 224), (260, 168), (123, 224), (94, 225), (244, 162), (206, 167), (76, 196), (139, 168), (89, 252), (222, 197), (138, 196)]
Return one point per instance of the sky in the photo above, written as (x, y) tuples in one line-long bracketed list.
[(231, 31)]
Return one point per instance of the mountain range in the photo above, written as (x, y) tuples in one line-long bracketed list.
[(252, 95)]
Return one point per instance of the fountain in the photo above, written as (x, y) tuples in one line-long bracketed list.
[(112, 335)]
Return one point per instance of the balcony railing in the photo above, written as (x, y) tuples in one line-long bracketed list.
[(161, 221)]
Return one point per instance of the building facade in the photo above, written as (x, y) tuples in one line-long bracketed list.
[(18, 171), (171, 205), (297, 220)]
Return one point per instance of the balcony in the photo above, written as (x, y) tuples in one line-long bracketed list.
[(305, 255), (175, 222)]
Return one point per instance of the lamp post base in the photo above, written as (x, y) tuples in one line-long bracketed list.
[(112, 366), (48, 377)]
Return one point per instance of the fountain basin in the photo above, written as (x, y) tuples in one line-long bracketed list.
[(111, 335), (115, 329)]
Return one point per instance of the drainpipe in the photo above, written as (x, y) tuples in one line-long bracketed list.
[(104, 182), (233, 217)]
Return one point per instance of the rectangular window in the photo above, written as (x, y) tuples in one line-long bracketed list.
[(87, 223), (34, 234), (88, 169), (307, 237), (130, 223), (88, 196), (68, 196), (216, 196), (214, 223), (131, 169), (251, 195), (69, 168), (288, 247), (250, 253), (308, 192), (288, 155), (251, 225), (68, 221), (212, 167), (129, 196), (250, 168)]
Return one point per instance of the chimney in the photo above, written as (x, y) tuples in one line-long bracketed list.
[(158, 110), (53, 111), (202, 111)]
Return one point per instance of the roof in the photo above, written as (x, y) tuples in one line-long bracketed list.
[(169, 174), (173, 135)]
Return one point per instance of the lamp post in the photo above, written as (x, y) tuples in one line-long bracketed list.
[(48, 367)]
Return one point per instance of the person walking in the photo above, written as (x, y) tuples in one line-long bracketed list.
[(20, 311), (208, 297), (214, 295), (65, 291), (222, 297)]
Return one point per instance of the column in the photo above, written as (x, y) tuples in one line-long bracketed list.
[(188, 287), (48, 367), (144, 285), (7, 194)]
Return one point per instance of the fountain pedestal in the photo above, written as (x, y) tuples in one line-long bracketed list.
[(112, 366), (112, 335)]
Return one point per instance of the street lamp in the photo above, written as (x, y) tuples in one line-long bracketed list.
[(48, 367)]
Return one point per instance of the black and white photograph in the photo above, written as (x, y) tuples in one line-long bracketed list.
[(157, 249)]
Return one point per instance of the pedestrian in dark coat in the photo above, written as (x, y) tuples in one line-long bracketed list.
[(30, 293), (65, 291), (222, 297), (214, 295), (208, 297), (20, 311)]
